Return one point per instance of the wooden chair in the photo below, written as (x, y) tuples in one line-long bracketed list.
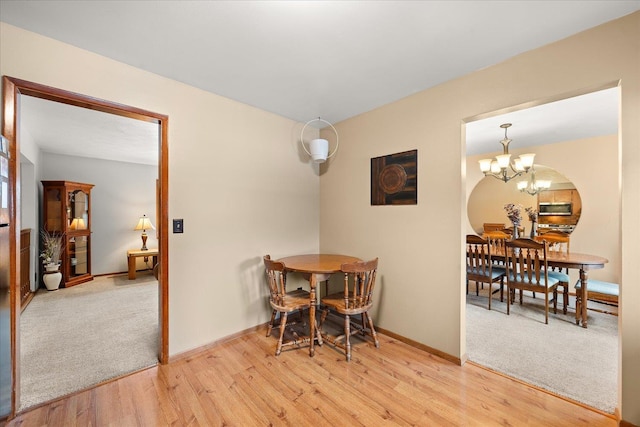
[(527, 270), (356, 298), (509, 231), (598, 291), (492, 226), (558, 242), (496, 240), (480, 267), (284, 302)]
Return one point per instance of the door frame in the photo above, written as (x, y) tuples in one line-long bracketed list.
[(12, 89)]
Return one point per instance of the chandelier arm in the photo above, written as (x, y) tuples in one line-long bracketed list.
[(502, 176)]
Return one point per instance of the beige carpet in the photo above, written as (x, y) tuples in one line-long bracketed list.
[(71, 339), (578, 363)]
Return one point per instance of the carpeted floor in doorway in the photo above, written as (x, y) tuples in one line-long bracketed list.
[(578, 363), (73, 338)]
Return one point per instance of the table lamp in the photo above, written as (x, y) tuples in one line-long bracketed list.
[(78, 224), (144, 224)]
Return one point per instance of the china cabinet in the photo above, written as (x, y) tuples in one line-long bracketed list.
[(67, 211)]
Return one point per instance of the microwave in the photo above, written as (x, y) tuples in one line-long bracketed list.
[(555, 208)]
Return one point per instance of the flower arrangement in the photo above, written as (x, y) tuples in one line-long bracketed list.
[(52, 247), (532, 213), (514, 212)]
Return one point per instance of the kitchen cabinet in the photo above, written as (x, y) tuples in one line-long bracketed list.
[(561, 196)]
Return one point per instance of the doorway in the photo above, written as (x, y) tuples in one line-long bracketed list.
[(13, 90), (568, 155)]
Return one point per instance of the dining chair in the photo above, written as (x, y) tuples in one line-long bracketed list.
[(285, 303), (480, 266), (356, 298), (496, 239), (558, 243), (492, 226), (527, 271)]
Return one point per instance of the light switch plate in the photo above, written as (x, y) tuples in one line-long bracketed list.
[(178, 225)]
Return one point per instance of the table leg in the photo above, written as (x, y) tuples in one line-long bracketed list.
[(583, 289), (312, 313), (132, 267)]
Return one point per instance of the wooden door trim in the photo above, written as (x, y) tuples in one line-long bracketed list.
[(12, 89)]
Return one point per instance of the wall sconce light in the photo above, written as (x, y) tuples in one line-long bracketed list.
[(144, 224), (319, 148)]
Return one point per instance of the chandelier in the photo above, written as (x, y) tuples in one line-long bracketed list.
[(502, 167), (534, 186)]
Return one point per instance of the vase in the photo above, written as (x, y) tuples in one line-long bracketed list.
[(51, 267), (516, 231), (534, 230), (52, 280)]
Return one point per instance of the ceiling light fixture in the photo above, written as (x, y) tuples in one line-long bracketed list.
[(319, 147), (499, 167), (534, 186)]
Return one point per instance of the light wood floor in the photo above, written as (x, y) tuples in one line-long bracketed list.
[(242, 383)]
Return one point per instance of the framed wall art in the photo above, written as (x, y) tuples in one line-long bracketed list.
[(394, 179)]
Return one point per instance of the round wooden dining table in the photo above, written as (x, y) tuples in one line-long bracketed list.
[(316, 268)]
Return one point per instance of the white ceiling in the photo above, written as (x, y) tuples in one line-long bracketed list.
[(308, 59)]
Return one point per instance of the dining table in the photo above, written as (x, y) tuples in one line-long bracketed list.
[(572, 260), (315, 268), (582, 262)]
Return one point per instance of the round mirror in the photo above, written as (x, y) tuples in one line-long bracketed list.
[(558, 207)]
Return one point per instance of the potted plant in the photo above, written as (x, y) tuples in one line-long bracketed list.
[(52, 244)]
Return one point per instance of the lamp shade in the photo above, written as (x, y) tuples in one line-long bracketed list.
[(319, 149), (78, 224), (144, 223)]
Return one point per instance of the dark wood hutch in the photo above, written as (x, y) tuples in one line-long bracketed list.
[(67, 209)]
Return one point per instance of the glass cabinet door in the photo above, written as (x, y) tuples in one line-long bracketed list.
[(78, 210), (53, 210), (78, 256)]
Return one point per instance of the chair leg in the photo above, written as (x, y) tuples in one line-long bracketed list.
[(318, 333), (283, 325), (347, 336), (565, 297), (508, 299), (578, 307), (374, 334), (323, 317), (555, 301), (273, 319), (546, 310)]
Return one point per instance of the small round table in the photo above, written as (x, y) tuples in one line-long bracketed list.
[(318, 267)]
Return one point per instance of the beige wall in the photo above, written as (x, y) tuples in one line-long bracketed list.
[(420, 247), (236, 178), (592, 165), (224, 159)]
